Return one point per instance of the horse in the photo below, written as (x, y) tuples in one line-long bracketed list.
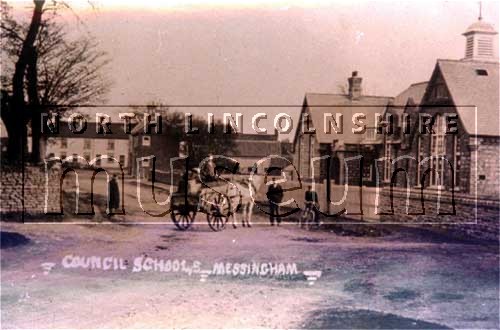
[(244, 191)]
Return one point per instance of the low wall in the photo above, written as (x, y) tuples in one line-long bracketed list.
[(473, 217), (476, 218), (35, 191)]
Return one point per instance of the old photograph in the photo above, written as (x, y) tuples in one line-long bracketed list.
[(243, 164)]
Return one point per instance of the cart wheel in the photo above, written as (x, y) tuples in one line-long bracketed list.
[(218, 213), (183, 219)]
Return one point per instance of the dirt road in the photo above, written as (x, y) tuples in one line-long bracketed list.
[(245, 277)]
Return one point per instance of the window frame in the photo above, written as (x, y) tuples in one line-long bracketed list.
[(146, 141), (87, 144), (438, 151), (111, 144)]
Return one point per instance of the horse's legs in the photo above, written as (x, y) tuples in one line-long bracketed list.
[(233, 216), (249, 208), (243, 214)]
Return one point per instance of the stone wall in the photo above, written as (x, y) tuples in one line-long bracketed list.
[(473, 218), (36, 191), (487, 163)]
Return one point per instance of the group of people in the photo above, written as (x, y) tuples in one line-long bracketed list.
[(245, 188), (275, 197)]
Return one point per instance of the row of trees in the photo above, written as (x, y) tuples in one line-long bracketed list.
[(44, 69)]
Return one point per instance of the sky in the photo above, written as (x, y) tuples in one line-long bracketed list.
[(221, 52)]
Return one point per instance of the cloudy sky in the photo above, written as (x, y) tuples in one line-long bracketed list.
[(270, 52)]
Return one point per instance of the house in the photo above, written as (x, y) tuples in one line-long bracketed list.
[(467, 161), (341, 143), (90, 145), (163, 146), (250, 148)]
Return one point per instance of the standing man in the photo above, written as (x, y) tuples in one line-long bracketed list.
[(113, 196), (274, 195), (208, 170), (311, 202)]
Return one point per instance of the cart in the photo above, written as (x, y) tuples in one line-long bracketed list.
[(213, 199)]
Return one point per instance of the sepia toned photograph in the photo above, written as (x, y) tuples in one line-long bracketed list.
[(249, 164)]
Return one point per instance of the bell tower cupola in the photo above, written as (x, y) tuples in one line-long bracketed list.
[(481, 41)]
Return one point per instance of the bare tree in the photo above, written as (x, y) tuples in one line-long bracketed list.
[(14, 106), (55, 71)]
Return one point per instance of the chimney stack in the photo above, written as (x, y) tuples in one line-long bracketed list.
[(355, 86)]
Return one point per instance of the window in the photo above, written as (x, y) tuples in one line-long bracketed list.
[(64, 143), (438, 151), (367, 171), (146, 141), (111, 158), (122, 160), (145, 162), (75, 158), (111, 145), (87, 144), (457, 162), (420, 158), (370, 134), (387, 161), (481, 72), (63, 155), (440, 91), (98, 160)]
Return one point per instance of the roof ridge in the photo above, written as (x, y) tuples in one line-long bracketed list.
[(419, 83), (468, 61), (347, 96), (334, 94)]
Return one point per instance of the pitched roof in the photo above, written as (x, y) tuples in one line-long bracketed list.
[(468, 88), (414, 92), (256, 148), (117, 132), (319, 104), (256, 137)]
